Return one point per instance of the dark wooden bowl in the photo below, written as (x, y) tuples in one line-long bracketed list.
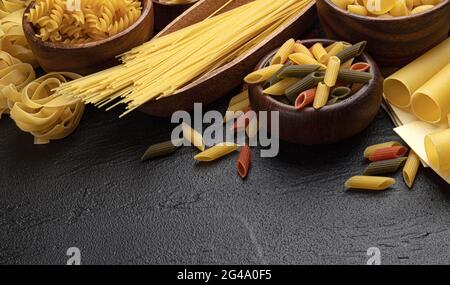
[(391, 41), (330, 124), (166, 13), (220, 82), (89, 57)]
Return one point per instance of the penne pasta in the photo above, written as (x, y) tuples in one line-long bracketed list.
[(300, 48), (262, 75), (301, 58), (216, 152), (298, 71), (371, 149), (160, 149), (354, 76), (384, 166), (279, 88), (319, 53), (244, 161), (332, 72), (336, 48), (370, 183), (243, 121), (306, 83), (322, 94), (236, 109), (352, 51), (360, 66), (341, 92), (252, 128), (305, 99), (388, 153), (411, 168), (275, 78), (192, 136), (283, 53), (239, 98)]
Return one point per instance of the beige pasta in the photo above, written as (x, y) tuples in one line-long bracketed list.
[(192, 136), (333, 68), (300, 48), (336, 48), (283, 53), (216, 152), (279, 88), (322, 94), (319, 52), (410, 169), (263, 74), (370, 183)]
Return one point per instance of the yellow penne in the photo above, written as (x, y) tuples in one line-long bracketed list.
[(216, 152), (301, 58), (369, 183), (319, 52), (234, 110), (239, 98), (263, 74), (333, 68), (279, 88), (337, 48), (410, 169), (357, 9), (282, 55), (371, 149), (194, 137), (322, 94), (300, 48)]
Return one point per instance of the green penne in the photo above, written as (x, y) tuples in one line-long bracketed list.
[(274, 79), (297, 71), (160, 149), (341, 92), (385, 166), (333, 101), (306, 83), (354, 76), (352, 52)]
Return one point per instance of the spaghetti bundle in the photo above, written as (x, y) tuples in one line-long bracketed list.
[(162, 66)]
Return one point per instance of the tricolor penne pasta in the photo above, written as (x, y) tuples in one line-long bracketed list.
[(385, 166), (278, 89), (369, 183), (244, 161), (319, 53), (370, 149), (283, 53), (305, 98), (262, 75), (388, 153), (332, 72), (322, 94), (411, 168)]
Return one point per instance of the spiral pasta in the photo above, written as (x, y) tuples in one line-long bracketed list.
[(61, 21)]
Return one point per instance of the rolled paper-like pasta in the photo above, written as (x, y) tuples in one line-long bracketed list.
[(300, 48), (263, 74), (244, 161), (301, 58), (243, 121), (357, 9), (192, 136), (360, 66), (282, 54), (305, 98), (332, 72), (298, 71), (370, 149), (352, 51), (319, 52), (322, 94), (160, 149), (431, 102), (421, 9), (216, 152), (379, 7), (369, 183), (399, 87), (437, 146), (354, 76), (341, 92), (306, 83), (385, 166), (411, 168), (279, 88), (400, 9), (336, 48), (388, 153)]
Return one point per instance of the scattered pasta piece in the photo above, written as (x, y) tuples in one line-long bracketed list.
[(283, 53), (160, 149), (244, 161), (192, 136), (388, 153), (305, 98), (369, 183), (262, 75), (411, 168), (216, 152), (370, 150), (384, 166)]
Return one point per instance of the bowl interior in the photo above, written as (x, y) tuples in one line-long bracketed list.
[(342, 104), (393, 19), (29, 28)]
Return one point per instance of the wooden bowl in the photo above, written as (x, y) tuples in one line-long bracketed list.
[(330, 124), (223, 80), (391, 41), (89, 57), (166, 13)]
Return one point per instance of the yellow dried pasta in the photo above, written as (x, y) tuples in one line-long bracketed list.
[(333, 68), (410, 169), (283, 53), (192, 136), (216, 152), (369, 183)]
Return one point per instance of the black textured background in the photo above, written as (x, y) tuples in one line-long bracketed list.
[(91, 191)]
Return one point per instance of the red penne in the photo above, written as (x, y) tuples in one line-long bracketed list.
[(243, 121), (360, 66), (388, 153), (244, 161), (305, 98)]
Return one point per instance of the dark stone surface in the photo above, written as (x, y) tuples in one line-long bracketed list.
[(91, 191)]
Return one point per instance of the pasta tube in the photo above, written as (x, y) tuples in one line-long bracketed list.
[(411, 168), (370, 183), (159, 149), (300, 48), (437, 146), (283, 53), (192, 136), (385, 166), (216, 152), (388, 153), (305, 98), (319, 53), (322, 94), (263, 74), (244, 161), (371, 149), (279, 88), (332, 73)]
